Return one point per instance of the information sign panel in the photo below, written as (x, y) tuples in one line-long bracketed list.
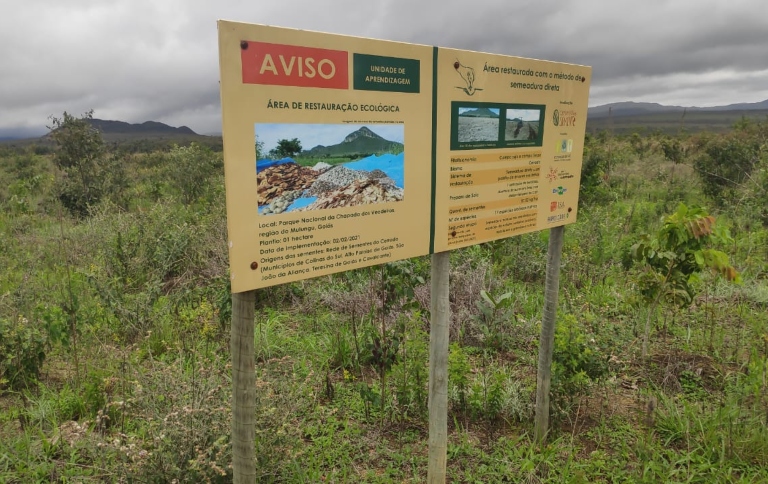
[(344, 152)]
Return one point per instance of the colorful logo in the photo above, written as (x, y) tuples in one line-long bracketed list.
[(559, 190), (564, 146), (553, 206), (552, 175), (293, 65), (564, 118)]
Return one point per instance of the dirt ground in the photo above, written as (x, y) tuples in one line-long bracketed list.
[(478, 129), (509, 132)]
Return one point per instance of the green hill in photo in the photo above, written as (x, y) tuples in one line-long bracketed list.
[(362, 141)]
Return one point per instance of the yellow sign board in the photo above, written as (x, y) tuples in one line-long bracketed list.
[(344, 152), (510, 134)]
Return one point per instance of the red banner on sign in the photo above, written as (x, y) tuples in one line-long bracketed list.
[(291, 65)]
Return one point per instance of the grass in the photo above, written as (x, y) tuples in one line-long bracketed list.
[(149, 398)]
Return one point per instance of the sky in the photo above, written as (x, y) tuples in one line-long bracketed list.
[(311, 135), (140, 60)]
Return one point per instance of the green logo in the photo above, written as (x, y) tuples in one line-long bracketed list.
[(556, 117)]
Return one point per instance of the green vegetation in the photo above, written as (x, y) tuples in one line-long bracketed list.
[(286, 148), (114, 329)]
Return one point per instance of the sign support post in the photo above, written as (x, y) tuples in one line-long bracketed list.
[(547, 339), (243, 387), (440, 315)]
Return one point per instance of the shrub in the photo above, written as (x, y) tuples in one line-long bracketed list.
[(190, 169), (22, 352), (575, 361), (79, 156), (727, 161)]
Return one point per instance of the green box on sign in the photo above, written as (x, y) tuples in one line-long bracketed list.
[(390, 74)]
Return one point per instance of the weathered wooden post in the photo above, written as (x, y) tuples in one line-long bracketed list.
[(243, 387), (546, 342), (438, 368)]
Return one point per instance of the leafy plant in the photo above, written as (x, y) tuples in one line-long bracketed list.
[(495, 314), (576, 361), (674, 257), (22, 352)]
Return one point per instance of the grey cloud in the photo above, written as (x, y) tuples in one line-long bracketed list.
[(137, 60)]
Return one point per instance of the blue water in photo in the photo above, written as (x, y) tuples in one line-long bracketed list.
[(392, 165)]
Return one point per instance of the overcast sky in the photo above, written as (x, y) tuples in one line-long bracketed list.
[(139, 60)]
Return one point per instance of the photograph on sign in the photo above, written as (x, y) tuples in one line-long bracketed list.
[(523, 124), (348, 165), (476, 125)]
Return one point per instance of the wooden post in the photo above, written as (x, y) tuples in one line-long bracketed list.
[(243, 388), (440, 314), (547, 339)]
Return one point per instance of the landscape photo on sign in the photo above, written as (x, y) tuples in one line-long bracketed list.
[(302, 167), (522, 124), (478, 124)]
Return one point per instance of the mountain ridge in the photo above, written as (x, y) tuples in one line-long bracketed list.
[(359, 142), (480, 113), (633, 108)]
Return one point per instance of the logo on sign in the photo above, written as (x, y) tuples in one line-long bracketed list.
[(292, 65), (564, 146), (564, 118), (553, 206), (468, 76), (559, 190)]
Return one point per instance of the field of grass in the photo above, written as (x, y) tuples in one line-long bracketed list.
[(114, 335)]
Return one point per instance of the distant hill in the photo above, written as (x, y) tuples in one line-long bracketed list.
[(627, 117), (145, 136), (630, 108), (480, 113), (360, 142), (152, 128)]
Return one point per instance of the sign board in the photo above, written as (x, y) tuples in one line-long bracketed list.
[(345, 152)]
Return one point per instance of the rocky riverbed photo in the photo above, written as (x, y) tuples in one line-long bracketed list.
[(308, 182)]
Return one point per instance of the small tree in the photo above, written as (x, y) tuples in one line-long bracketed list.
[(673, 259), (259, 150), (287, 148), (190, 170), (79, 155)]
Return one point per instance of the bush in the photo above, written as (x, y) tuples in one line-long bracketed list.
[(575, 362), (594, 166), (727, 161), (190, 170), (79, 156), (22, 352)]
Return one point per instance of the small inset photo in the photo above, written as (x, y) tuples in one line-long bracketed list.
[(478, 124), (522, 124)]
